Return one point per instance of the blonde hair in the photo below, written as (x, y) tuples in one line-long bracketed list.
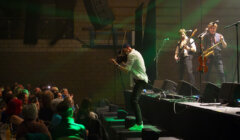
[(182, 31)]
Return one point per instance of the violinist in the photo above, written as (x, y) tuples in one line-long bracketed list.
[(134, 65), (211, 38), (184, 55)]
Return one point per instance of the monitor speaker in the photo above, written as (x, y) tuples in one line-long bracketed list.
[(170, 86), (186, 89), (210, 93), (230, 94)]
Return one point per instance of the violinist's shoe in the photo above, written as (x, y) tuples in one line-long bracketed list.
[(136, 127)]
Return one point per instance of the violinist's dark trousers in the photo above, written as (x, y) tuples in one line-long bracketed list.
[(186, 63), (138, 87), (218, 63)]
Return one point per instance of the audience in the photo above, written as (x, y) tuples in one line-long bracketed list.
[(34, 100), (56, 118), (46, 112), (67, 127), (14, 108), (89, 119), (34, 114), (30, 125), (12, 114), (23, 96), (55, 91), (65, 92), (37, 91)]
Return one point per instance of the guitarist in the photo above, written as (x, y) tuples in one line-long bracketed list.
[(184, 55), (211, 38)]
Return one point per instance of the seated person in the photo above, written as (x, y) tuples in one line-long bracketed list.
[(89, 119), (45, 112), (67, 127), (30, 125), (13, 112), (56, 118)]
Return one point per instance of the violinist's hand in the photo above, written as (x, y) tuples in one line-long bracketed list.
[(114, 61)]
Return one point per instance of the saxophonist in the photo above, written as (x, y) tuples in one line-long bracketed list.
[(211, 38), (184, 55)]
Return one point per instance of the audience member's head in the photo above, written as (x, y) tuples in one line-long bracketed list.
[(14, 107), (37, 90), (29, 87), (86, 104), (7, 97), (23, 95), (30, 112), (25, 91), (33, 99), (46, 98), (59, 95), (55, 91), (9, 92), (55, 103), (65, 92), (18, 90), (65, 109), (20, 86)]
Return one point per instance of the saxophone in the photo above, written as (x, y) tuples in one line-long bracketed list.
[(210, 51)]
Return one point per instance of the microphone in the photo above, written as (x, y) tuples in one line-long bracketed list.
[(166, 39), (203, 33), (216, 21)]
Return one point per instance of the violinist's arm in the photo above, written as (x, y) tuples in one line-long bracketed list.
[(122, 68)]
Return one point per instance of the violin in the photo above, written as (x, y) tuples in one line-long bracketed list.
[(121, 57), (202, 64)]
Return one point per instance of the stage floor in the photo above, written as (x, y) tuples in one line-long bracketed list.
[(189, 120)]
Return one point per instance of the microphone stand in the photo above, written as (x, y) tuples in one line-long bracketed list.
[(201, 36), (236, 25), (157, 53)]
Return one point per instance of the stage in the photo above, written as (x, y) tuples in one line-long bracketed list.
[(189, 120)]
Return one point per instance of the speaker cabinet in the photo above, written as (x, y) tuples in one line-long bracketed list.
[(230, 94), (210, 93), (186, 89), (170, 86)]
